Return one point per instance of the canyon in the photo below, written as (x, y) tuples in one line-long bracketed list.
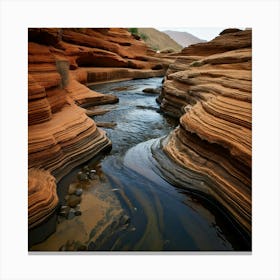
[(60, 134), (207, 88)]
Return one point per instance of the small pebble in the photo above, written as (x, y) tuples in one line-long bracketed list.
[(63, 213), (71, 214), (92, 174), (125, 219), (64, 210), (86, 168), (83, 177), (78, 192), (78, 213), (77, 207), (73, 200), (71, 189)]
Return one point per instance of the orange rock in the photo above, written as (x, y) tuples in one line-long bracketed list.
[(209, 87), (223, 43), (42, 196), (67, 140), (60, 134)]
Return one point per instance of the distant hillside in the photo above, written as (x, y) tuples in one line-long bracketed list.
[(158, 40), (183, 38)]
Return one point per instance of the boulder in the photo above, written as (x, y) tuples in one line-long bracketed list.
[(152, 90)]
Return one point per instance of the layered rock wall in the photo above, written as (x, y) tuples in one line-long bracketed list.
[(209, 87), (42, 196), (60, 134)]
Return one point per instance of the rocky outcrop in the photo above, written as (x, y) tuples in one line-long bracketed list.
[(60, 64), (230, 39), (210, 88), (42, 197), (97, 47), (65, 141)]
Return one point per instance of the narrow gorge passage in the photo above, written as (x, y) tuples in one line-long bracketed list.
[(138, 209)]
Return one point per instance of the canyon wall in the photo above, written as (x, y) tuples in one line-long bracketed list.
[(60, 134), (209, 86)]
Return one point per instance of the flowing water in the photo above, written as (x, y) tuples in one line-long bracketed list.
[(164, 217), (161, 216)]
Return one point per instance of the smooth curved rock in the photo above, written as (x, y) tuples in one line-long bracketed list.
[(60, 134), (210, 89), (152, 90), (65, 141), (42, 196)]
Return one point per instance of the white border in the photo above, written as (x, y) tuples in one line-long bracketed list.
[(17, 16)]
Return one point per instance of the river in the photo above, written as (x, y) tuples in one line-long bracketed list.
[(143, 211)]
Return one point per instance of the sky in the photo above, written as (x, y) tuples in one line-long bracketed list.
[(206, 33)]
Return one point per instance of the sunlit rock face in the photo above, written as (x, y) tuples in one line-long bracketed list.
[(60, 134), (209, 87)]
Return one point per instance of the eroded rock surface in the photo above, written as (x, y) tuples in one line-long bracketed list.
[(60, 64), (42, 197), (209, 87)]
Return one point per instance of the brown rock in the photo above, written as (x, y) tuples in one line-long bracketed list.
[(210, 88), (60, 134), (42, 196), (229, 30), (72, 188), (106, 124), (73, 200), (46, 36), (152, 90), (226, 42)]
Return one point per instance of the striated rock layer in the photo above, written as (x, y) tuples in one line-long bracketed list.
[(60, 64), (42, 197), (209, 87)]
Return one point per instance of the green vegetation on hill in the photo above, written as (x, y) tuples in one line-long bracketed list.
[(155, 39), (135, 32)]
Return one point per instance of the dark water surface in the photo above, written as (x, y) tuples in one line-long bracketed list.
[(161, 216)]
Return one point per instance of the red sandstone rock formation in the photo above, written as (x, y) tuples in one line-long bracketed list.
[(210, 88), (60, 134), (42, 197)]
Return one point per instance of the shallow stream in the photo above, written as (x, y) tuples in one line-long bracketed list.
[(158, 216)]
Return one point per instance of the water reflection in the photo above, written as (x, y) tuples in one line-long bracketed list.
[(166, 218), (129, 206), (135, 114)]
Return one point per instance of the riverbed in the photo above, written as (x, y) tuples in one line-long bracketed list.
[(128, 205)]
